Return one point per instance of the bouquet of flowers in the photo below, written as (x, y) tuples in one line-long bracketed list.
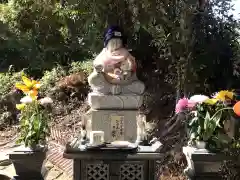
[(34, 114), (207, 118)]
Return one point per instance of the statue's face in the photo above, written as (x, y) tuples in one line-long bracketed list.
[(114, 44)]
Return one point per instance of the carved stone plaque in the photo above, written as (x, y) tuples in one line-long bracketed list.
[(117, 127)]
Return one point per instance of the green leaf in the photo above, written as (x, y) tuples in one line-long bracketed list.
[(207, 120), (193, 136), (19, 141), (199, 130), (218, 118), (193, 121)]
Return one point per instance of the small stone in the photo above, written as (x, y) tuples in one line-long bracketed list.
[(64, 177), (49, 165), (8, 171), (5, 162), (53, 174), (46, 168)]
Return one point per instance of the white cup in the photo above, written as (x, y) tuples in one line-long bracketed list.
[(96, 137)]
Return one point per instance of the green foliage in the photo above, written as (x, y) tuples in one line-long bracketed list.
[(85, 66), (51, 77), (40, 35), (172, 41), (7, 81), (34, 114), (34, 121), (207, 124)]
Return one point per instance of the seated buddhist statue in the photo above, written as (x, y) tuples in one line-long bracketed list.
[(115, 68)]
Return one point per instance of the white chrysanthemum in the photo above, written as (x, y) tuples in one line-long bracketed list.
[(26, 100), (45, 101), (199, 98)]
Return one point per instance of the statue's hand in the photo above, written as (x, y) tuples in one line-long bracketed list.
[(98, 68), (127, 74)]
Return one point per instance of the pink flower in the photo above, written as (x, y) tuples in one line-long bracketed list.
[(191, 104), (181, 105)]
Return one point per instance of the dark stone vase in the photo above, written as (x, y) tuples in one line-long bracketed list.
[(28, 165), (4, 177)]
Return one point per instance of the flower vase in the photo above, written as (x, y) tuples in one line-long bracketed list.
[(28, 162), (201, 145)]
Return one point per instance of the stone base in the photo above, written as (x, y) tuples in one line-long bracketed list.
[(28, 164), (202, 164), (97, 101), (116, 125)]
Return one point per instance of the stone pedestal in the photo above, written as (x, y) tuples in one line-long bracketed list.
[(114, 165), (115, 115), (98, 101), (202, 164), (116, 125)]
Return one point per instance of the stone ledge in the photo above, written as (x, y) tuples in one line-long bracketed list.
[(98, 101)]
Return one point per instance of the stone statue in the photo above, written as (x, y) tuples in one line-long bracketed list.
[(116, 97), (115, 68)]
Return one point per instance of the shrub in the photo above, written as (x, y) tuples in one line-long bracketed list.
[(7, 81), (85, 66), (51, 77)]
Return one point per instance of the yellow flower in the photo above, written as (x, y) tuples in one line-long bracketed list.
[(33, 93), (20, 106), (29, 87), (211, 101), (224, 95)]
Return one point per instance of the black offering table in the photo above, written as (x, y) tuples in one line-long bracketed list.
[(114, 164)]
